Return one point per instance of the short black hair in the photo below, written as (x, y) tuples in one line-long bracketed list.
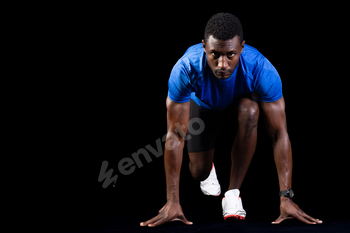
[(223, 26)]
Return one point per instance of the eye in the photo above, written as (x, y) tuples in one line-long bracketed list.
[(231, 54), (215, 55)]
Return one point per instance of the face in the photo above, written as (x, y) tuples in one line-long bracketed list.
[(223, 56)]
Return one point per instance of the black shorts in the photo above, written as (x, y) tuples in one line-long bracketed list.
[(210, 125)]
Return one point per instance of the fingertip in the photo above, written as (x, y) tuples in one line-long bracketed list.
[(185, 221)]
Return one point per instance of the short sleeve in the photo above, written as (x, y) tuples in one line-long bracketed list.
[(268, 82), (179, 84)]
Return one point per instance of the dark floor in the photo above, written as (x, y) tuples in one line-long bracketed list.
[(201, 224), (206, 218)]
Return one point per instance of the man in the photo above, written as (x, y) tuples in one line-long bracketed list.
[(224, 73)]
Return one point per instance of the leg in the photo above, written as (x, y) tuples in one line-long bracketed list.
[(201, 163), (201, 146), (245, 142)]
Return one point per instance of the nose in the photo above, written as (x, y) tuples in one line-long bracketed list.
[(223, 64)]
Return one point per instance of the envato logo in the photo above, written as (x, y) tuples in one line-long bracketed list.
[(126, 166)]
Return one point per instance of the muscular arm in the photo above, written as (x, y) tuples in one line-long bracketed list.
[(275, 119), (276, 123), (178, 114)]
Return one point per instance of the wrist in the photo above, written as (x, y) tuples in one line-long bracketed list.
[(287, 193), (173, 202), (283, 199), (173, 198)]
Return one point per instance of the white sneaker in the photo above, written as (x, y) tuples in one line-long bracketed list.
[(232, 207), (211, 185)]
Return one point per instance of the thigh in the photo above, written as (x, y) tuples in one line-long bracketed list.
[(202, 161), (244, 99), (204, 141)]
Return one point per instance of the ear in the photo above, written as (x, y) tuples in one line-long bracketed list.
[(204, 46), (242, 46)]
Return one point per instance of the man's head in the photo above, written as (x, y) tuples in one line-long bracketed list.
[(223, 43)]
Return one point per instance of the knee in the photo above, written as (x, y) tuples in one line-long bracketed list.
[(248, 114), (199, 173)]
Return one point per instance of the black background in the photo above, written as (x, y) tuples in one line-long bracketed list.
[(109, 102)]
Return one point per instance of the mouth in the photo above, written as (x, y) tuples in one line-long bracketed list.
[(222, 74)]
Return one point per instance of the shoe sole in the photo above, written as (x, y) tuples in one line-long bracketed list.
[(209, 194), (234, 217)]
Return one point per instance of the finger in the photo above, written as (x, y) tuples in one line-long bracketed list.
[(152, 220), (281, 218), (318, 221), (184, 220), (159, 222), (146, 223), (278, 220), (187, 222), (311, 218), (302, 219)]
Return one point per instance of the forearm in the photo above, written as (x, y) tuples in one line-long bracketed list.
[(283, 159), (172, 164), (178, 115)]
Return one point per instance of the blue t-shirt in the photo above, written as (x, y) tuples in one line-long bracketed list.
[(192, 78)]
